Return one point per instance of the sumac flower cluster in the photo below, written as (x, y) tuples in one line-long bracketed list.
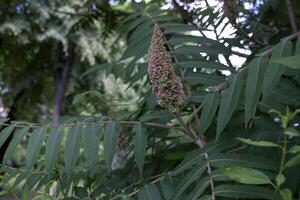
[(165, 84)]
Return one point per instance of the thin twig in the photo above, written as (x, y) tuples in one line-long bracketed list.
[(158, 125), (195, 113), (187, 130), (200, 142), (265, 54), (240, 54)]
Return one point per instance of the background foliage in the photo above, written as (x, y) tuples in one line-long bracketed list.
[(78, 69)]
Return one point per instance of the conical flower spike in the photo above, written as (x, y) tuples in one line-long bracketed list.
[(165, 84)]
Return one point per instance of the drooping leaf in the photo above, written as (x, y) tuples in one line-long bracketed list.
[(291, 61), (13, 144), (110, 142), (25, 192), (210, 106), (243, 191), (136, 23), (293, 161), (254, 86), (280, 178), (188, 179), (294, 149), (201, 186), (259, 143), (149, 192), (140, 145), (5, 133), (167, 188), (141, 45), (34, 146), (32, 180), (3, 120), (132, 16), (141, 32), (292, 132), (229, 102), (53, 147), (91, 141), (285, 92), (246, 175), (286, 194), (197, 155), (274, 71), (72, 148), (244, 160), (18, 179)]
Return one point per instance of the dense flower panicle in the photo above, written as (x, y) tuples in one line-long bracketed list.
[(165, 84)]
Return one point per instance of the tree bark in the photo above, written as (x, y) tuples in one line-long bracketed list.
[(62, 77), (291, 15)]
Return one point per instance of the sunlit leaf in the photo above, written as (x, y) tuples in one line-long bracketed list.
[(243, 191), (294, 149), (286, 194), (293, 161), (259, 143), (246, 175)]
